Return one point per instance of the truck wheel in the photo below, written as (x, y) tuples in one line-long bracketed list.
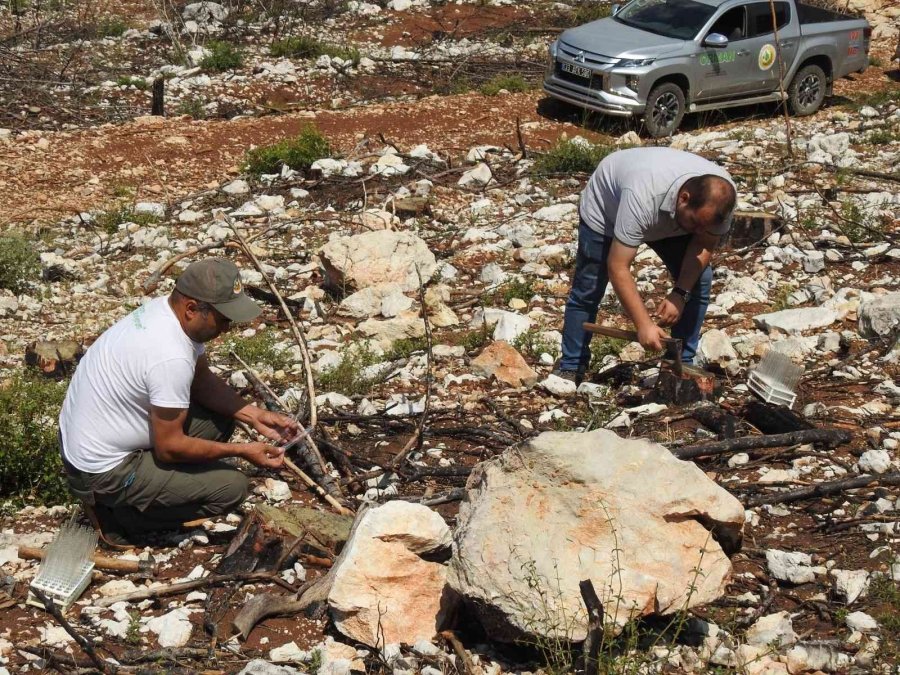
[(665, 109), (807, 90)]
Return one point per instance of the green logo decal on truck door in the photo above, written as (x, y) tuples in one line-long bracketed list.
[(712, 58), (766, 57)]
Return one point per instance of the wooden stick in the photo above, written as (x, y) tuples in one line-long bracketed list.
[(468, 668), (262, 607), (84, 643), (829, 437), (100, 561), (315, 487), (194, 584), (591, 647), (824, 489)]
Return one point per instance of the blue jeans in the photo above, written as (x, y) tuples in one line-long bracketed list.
[(589, 284)]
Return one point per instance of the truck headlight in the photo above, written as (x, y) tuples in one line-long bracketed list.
[(634, 63)]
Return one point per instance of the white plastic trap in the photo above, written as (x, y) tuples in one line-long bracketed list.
[(67, 566), (775, 379)]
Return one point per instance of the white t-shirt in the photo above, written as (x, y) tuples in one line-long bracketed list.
[(632, 194), (145, 359)]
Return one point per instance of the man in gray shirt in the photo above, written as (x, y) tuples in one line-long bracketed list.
[(677, 203)]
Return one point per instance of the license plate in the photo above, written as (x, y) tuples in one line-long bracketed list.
[(578, 71)]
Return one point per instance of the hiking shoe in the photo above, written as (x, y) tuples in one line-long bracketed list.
[(570, 375)]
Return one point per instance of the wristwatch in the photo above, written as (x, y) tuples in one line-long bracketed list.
[(681, 293)]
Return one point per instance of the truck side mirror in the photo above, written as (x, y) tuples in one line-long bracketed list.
[(716, 41), (615, 9)]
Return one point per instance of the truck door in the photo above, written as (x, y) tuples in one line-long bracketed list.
[(719, 68), (762, 62)]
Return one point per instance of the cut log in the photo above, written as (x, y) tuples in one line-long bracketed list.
[(692, 385), (261, 607), (774, 419), (716, 419), (827, 437), (824, 489), (256, 546), (329, 531)]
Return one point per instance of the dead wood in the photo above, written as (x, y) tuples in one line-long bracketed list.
[(255, 547), (591, 647), (774, 419), (465, 665), (824, 489), (827, 437), (716, 419), (261, 607), (102, 562), (81, 641), (185, 586)]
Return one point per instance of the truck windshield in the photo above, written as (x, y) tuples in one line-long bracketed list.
[(679, 19)]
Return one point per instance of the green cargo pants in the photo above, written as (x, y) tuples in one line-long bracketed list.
[(143, 494)]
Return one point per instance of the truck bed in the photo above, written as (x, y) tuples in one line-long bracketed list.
[(807, 14)]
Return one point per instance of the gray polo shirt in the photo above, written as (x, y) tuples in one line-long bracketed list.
[(632, 194)]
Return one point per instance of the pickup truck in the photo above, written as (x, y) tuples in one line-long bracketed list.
[(660, 59)]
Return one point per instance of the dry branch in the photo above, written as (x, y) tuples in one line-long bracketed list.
[(829, 437), (824, 489), (84, 643), (185, 586)]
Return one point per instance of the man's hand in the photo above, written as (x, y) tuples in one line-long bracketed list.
[(651, 337), (274, 426), (263, 455), (669, 310)]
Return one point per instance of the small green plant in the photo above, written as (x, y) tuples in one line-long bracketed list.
[(297, 153), (605, 346), (532, 344), (518, 288), (222, 56), (130, 81), (315, 661), (457, 85), (782, 297), (111, 26), (875, 61), (879, 98), (474, 339), (306, 47), (30, 465), (406, 347), (510, 82), (110, 220), (133, 632), (19, 262), (856, 223), (591, 11), (195, 107), (572, 157), (347, 377), (883, 136), (262, 348)]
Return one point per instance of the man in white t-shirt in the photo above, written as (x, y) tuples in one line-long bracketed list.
[(677, 203), (145, 422)]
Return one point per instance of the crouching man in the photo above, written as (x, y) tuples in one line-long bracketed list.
[(145, 423)]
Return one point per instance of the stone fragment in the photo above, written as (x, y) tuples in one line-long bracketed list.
[(880, 317), (796, 320), (500, 360), (875, 461), (385, 589), (559, 386), (556, 213), (172, 629), (805, 658), (772, 629), (570, 506), (791, 566), (477, 177), (862, 622), (850, 585), (373, 258), (716, 348)]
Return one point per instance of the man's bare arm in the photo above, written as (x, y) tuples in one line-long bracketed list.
[(696, 258), (619, 269)]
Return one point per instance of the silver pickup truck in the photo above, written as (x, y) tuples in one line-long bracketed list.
[(658, 59)]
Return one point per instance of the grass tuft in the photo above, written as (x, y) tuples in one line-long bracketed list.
[(19, 263), (510, 82), (260, 349), (572, 157), (297, 153), (109, 221), (347, 377), (129, 81), (222, 56), (306, 47)]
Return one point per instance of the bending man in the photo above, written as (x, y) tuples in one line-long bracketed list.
[(677, 203), (145, 423)]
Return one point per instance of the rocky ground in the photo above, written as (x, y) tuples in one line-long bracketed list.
[(423, 177)]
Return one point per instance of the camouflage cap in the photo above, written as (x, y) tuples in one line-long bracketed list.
[(218, 282)]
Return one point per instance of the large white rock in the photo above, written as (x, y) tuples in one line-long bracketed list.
[(792, 566), (373, 258), (850, 585), (172, 629), (556, 213), (715, 348), (796, 320), (774, 628), (381, 581), (880, 317), (480, 175), (564, 507)]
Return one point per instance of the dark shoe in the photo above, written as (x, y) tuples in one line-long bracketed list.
[(570, 375)]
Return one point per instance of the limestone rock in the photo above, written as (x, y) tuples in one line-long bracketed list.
[(791, 566), (774, 628), (373, 258), (796, 320), (386, 333), (880, 317), (477, 177), (850, 585), (715, 348), (501, 361), (173, 629), (570, 506), (381, 578)]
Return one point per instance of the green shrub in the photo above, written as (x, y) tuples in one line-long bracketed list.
[(347, 377), (109, 220), (30, 465), (474, 339), (305, 47), (511, 83), (572, 157), (883, 136), (262, 348), (222, 56), (591, 11), (532, 344), (297, 153), (19, 263), (111, 26), (517, 288), (193, 107), (128, 81), (604, 346), (403, 349), (858, 224)]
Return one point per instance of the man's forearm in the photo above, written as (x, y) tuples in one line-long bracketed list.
[(626, 289), (213, 393), (696, 259), (190, 450)]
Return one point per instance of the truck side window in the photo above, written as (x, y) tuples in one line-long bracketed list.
[(731, 25), (761, 17)]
